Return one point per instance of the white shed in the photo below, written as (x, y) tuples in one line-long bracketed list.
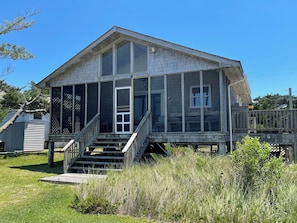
[(28, 133)]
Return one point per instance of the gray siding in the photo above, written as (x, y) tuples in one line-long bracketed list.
[(85, 71), (166, 61), (13, 137), (34, 136)]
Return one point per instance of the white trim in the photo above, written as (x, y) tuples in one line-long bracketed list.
[(123, 113), (209, 96)]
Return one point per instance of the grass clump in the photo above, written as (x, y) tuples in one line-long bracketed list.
[(188, 187)]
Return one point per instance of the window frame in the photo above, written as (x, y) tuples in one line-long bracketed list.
[(204, 97)]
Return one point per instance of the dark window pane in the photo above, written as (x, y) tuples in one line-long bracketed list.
[(123, 57), (140, 57), (107, 63)]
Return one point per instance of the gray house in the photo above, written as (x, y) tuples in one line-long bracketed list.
[(28, 133), (127, 91)]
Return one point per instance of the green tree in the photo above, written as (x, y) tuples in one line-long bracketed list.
[(33, 100), (273, 101), (13, 51)]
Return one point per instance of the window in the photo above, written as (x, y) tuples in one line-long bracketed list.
[(119, 59), (37, 116), (107, 63), (195, 96), (140, 58), (123, 57)]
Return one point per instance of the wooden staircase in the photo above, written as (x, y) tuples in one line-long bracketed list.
[(104, 154)]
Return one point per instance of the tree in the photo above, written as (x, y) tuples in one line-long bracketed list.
[(13, 51), (273, 101), (13, 98), (30, 101)]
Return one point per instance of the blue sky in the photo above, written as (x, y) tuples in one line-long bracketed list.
[(261, 34)]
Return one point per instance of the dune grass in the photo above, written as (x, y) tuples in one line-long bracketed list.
[(189, 187), (23, 198)]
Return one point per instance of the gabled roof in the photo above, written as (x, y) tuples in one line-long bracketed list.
[(117, 32)]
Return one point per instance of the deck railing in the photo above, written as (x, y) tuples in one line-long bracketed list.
[(137, 140), (264, 121), (76, 146)]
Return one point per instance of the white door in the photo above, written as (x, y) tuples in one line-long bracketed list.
[(123, 122)]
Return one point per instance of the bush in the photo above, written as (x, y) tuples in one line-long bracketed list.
[(255, 166)]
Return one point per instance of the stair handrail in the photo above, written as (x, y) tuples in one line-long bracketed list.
[(137, 139), (76, 146)]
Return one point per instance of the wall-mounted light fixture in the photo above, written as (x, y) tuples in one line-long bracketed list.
[(152, 49)]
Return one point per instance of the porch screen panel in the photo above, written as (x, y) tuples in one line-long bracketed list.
[(157, 103), (56, 110), (140, 99), (79, 107), (192, 112), (67, 110), (212, 113), (92, 100), (106, 106), (174, 103)]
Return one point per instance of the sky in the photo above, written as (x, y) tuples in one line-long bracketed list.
[(262, 35)]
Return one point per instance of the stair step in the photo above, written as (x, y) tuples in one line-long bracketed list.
[(99, 163), (100, 146), (114, 151), (103, 157), (90, 169), (109, 142)]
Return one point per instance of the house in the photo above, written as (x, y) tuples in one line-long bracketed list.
[(28, 133), (127, 90)]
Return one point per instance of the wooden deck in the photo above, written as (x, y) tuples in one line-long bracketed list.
[(72, 178)]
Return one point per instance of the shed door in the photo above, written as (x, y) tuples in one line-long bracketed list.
[(123, 120)]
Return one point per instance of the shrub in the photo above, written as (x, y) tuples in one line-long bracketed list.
[(255, 166)]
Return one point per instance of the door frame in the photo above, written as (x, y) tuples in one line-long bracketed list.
[(123, 114)]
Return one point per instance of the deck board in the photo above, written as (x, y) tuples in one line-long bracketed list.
[(71, 178)]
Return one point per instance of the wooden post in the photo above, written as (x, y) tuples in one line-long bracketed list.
[(295, 151), (222, 148), (51, 148)]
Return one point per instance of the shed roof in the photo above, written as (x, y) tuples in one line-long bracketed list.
[(232, 68)]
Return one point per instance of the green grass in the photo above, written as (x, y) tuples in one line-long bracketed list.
[(189, 187), (23, 198)]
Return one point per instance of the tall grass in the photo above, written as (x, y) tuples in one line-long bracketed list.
[(189, 187)]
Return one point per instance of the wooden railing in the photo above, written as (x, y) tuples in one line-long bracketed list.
[(137, 140), (262, 121), (76, 146)]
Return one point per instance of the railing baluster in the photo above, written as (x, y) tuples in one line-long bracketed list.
[(265, 120)]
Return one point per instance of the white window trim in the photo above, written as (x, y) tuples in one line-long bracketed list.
[(209, 96)]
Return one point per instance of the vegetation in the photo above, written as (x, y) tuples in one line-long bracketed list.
[(273, 101), (12, 51), (25, 199), (254, 166), (189, 187), (11, 97), (33, 100)]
